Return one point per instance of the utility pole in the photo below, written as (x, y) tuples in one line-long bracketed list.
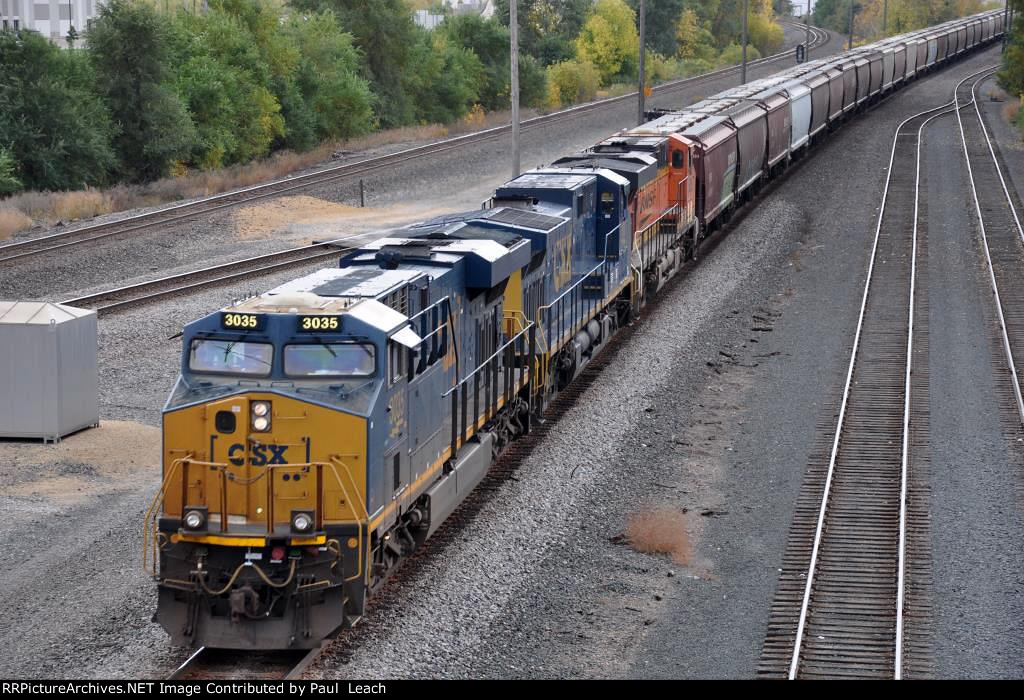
[(642, 62), (807, 28), (743, 69), (885, 15), (513, 24), (853, 6)]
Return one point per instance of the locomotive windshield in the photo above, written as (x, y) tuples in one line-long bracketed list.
[(231, 357), (329, 360)]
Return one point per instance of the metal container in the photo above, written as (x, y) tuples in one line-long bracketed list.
[(863, 78), (751, 122), (888, 66), (835, 92), (800, 112), (715, 163), (900, 63), (776, 104), (817, 81), (47, 370), (875, 59)]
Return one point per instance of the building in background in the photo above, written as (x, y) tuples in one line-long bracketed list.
[(51, 18), (428, 20)]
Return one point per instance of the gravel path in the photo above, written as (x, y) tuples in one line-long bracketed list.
[(976, 454)]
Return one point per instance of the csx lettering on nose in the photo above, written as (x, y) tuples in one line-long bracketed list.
[(259, 456)]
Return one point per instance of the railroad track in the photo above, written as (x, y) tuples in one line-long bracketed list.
[(1002, 236), (859, 541), (62, 241), (127, 296), (230, 664)]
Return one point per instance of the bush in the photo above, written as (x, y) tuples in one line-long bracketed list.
[(445, 80), (53, 127), (609, 39), (570, 82), (129, 45), (765, 34), (12, 221), (733, 54)]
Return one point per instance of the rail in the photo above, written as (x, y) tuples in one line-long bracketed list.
[(1008, 347)]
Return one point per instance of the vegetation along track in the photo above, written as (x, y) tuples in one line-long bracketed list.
[(54, 242), (1002, 237), (121, 298), (229, 664), (856, 564)]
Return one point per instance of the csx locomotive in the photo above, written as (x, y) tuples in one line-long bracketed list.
[(322, 431)]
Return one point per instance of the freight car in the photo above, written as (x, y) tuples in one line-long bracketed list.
[(319, 433)]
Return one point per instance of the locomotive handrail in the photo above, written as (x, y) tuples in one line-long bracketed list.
[(150, 520), (560, 302), (149, 529), (521, 344)]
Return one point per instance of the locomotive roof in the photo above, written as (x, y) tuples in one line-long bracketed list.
[(349, 282), (550, 180)]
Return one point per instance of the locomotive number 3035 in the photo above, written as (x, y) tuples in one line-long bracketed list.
[(318, 323)]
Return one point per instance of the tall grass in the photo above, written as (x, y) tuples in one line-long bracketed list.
[(12, 221)]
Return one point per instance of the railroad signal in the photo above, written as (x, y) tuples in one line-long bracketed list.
[(801, 53)]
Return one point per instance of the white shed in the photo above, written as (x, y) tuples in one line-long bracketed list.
[(48, 386)]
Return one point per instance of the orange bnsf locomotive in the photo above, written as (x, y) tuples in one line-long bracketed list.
[(319, 433)]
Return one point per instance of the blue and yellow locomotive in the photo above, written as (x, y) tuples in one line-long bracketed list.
[(320, 432)]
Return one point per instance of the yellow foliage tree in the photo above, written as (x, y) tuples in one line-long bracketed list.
[(609, 39)]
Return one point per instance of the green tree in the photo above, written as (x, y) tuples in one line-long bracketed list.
[(609, 39), (53, 127), (1011, 75), (328, 77), (129, 48), (9, 182), (547, 28), (693, 39), (445, 79), (662, 17), (490, 41), (570, 82), (384, 32)]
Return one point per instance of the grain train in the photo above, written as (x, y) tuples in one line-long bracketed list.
[(322, 431)]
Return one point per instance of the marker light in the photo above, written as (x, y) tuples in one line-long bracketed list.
[(302, 521), (277, 554), (195, 519)]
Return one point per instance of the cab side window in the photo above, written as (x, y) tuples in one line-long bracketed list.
[(397, 362), (677, 160)]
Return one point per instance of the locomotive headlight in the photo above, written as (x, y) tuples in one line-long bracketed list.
[(260, 416), (195, 519), (302, 521)]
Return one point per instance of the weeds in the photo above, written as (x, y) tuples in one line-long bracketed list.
[(12, 221), (660, 531)]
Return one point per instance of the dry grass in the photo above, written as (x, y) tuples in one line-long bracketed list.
[(12, 221), (68, 206), (1010, 111), (660, 531)]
